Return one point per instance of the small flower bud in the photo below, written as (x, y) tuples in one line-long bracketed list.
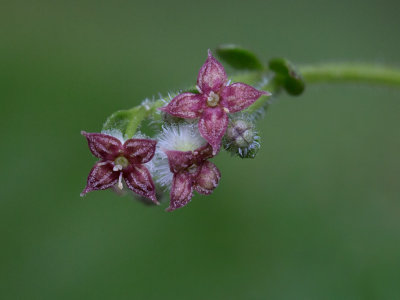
[(241, 138)]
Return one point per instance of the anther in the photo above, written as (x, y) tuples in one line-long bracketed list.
[(120, 186), (213, 99)]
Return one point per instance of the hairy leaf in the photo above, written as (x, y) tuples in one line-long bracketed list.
[(239, 58)]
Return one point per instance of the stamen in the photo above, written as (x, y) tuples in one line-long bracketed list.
[(120, 186), (213, 99), (117, 168)]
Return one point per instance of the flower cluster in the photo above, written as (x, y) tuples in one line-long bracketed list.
[(182, 151)]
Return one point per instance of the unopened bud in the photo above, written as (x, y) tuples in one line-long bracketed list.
[(241, 138)]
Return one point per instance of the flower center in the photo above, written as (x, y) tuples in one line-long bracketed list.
[(119, 163), (213, 99), (192, 169)]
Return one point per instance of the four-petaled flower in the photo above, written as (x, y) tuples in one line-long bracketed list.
[(121, 160), (191, 171), (213, 103)]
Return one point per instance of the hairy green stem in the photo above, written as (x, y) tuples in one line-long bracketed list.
[(323, 73), (340, 72), (351, 72)]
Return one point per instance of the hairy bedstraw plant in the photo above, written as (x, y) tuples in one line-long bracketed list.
[(190, 127)]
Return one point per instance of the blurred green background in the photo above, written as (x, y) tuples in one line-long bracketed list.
[(314, 216)]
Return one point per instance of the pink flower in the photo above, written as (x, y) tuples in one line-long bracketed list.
[(191, 172), (119, 161), (213, 103)]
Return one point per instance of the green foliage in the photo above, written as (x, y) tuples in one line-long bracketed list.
[(239, 58), (126, 121), (287, 76)]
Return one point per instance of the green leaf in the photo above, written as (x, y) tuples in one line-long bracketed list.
[(126, 121), (280, 66), (294, 84), (239, 58), (192, 90), (287, 76)]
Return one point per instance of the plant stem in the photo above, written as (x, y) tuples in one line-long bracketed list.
[(351, 72), (340, 72), (323, 73)]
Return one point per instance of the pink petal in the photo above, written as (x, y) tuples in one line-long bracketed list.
[(181, 190), (101, 177), (138, 179), (212, 75), (239, 96), (207, 179), (186, 105), (212, 126), (203, 153), (139, 151), (179, 160), (102, 145)]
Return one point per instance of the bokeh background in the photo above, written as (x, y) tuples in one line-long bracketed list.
[(314, 216)]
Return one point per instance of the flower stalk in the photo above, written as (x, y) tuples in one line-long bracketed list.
[(195, 124), (351, 72), (312, 74)]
